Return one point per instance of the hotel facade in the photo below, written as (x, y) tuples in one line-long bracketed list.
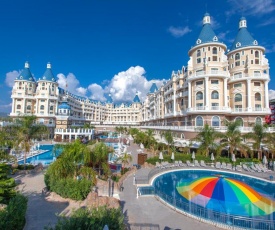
[(217, 84)]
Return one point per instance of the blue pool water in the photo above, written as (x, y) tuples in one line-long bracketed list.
[(44, 158), (168, 186)]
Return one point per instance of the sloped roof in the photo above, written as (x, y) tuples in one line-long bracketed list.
[(153, 88), (48, 75), (26, 74)]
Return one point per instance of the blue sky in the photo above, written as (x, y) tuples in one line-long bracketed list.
[(122, 46)]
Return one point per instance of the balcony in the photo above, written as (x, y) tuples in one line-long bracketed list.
[(259, 76), (221, 109), (213, 73)]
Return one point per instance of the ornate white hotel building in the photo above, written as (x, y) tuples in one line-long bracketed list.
[(216, 84)]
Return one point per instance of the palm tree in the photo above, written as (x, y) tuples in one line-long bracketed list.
[(270, 143), (207, 137), (258, 135), (168, 138), (125, 160), (232, 137), (26, 131)]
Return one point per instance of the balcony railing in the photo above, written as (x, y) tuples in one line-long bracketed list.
[(209, 73)]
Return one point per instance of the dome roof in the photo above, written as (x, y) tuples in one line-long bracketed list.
[(26, 74), (243, 37), (153, 88), (136, 99), (64, 105), (48, 75)]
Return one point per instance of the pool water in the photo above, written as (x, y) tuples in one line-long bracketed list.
[(227, 193)]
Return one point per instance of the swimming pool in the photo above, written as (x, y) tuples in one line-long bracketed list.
[(229, 198), (44, 158)]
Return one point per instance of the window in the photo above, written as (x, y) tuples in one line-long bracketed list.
[(238, 85), (214, 106), (240, 120), (214, 50), (237, 75), (257, 97), (42, 107), (182, 102), (256, 54), (251, 51), (257, 61), (28, 107), (199, 96), (237, 59), (214, 82), (258, 120), (208, 48), (257, 73), (256, 83), (238, 97), (198, 53), (215, 95), (199, 121), (258, 107), (51, 107), (215, 121), (214, 70), (199, 82), (251, 62), (198, 60), (214, 58), (199, 106), (18, 107)]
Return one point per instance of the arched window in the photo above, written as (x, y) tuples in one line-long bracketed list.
[(238, 97), (18, 107), (237, 59), (199, 121), (198, 53), (237, 56), (199, 96), (214, 50), (256, 54), (51, 107), (257, 97), (215, 95), (258, 120), (215, 121), (43, 84), (42, 107), (240, 121), (28, 107)]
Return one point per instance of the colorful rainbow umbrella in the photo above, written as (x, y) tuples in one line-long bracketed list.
[(226, 195)]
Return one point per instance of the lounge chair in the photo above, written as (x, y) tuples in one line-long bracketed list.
[(203, 163), (176, 164), (158, 165), (239, 168), (223, 165), (197, 164), (181, 164), (248, 169), (229, 166), (189, 163), (255, 169), (218, 165)]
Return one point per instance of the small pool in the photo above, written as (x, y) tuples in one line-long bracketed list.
[(219, 196)]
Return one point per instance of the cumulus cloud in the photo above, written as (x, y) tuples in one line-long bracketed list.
[(270, 48), (70, 83), (271, 94), (179, 31), (6, 106), (97, 92), (10, 77)]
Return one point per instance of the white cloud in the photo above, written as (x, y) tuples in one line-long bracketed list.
[(270, 49), (268, 22), (179, 31), (97, 92), (247, 7), (271, 94), (70, 83), (215, 24), (6, 106), (10, 77)]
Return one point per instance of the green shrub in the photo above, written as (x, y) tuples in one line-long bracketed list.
[(91, 219), (25, 167), (13, 217), (69, 187)]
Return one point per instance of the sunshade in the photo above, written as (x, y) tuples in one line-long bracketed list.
[(226, 195)]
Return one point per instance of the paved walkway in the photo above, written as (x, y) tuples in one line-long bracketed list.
[(40, 212)]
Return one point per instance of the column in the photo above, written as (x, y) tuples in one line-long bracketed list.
[(266, 94), (189, 94), (206, 93), (174, 105), (12, 106), (249, 108), (24, 105), (225, 93)]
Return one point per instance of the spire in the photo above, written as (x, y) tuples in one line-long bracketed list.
[(26, 74), (243, 37), (153, 88), (207, 34), (136, 98), (48, 75)]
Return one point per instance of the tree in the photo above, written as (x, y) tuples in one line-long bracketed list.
[(125, 159), (232, 137), (258, 135), (26, 131), (7, 184), (207, 136), (168, 138)]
